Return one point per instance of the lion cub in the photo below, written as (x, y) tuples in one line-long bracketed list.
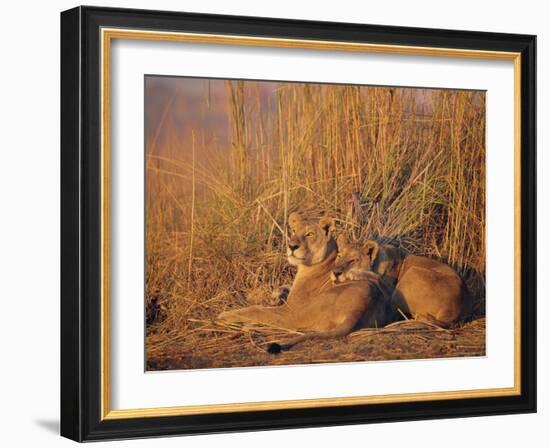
[(419, 287), (354, 263)]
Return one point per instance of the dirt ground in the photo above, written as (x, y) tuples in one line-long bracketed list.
[(218, 348)]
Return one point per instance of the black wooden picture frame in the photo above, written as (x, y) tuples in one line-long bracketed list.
[(81, 208)]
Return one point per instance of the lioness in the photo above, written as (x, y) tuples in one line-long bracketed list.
[(314, 305), (335, 313), (422, 288)]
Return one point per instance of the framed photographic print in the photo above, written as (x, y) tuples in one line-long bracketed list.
[(275, 224)]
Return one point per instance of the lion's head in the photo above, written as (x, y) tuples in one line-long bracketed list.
[(310, 241), (353, 257)]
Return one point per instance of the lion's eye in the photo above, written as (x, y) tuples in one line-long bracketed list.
[(309, 234)]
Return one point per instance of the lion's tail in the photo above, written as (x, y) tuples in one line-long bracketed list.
[(342, 330)]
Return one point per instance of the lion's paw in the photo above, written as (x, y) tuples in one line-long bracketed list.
[(279, 295)]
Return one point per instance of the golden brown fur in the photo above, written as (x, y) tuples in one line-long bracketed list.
[(314, 305), (422, 287)]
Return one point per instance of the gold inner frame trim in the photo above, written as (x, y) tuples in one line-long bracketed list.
[(107, 35)]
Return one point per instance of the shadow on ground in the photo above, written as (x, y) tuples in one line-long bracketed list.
[(49, 425)]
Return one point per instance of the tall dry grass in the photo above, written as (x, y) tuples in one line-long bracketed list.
[(406, 165)]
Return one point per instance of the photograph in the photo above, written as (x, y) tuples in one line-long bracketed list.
[(296, 223)]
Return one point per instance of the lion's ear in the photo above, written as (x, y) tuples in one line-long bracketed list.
[(294, 218), (327, 224), (341, 241), (371, 249)]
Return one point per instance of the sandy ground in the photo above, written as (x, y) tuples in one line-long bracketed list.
[(404, 340)]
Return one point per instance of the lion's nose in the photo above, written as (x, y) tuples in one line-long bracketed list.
[(293, 247), (337, 273)]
